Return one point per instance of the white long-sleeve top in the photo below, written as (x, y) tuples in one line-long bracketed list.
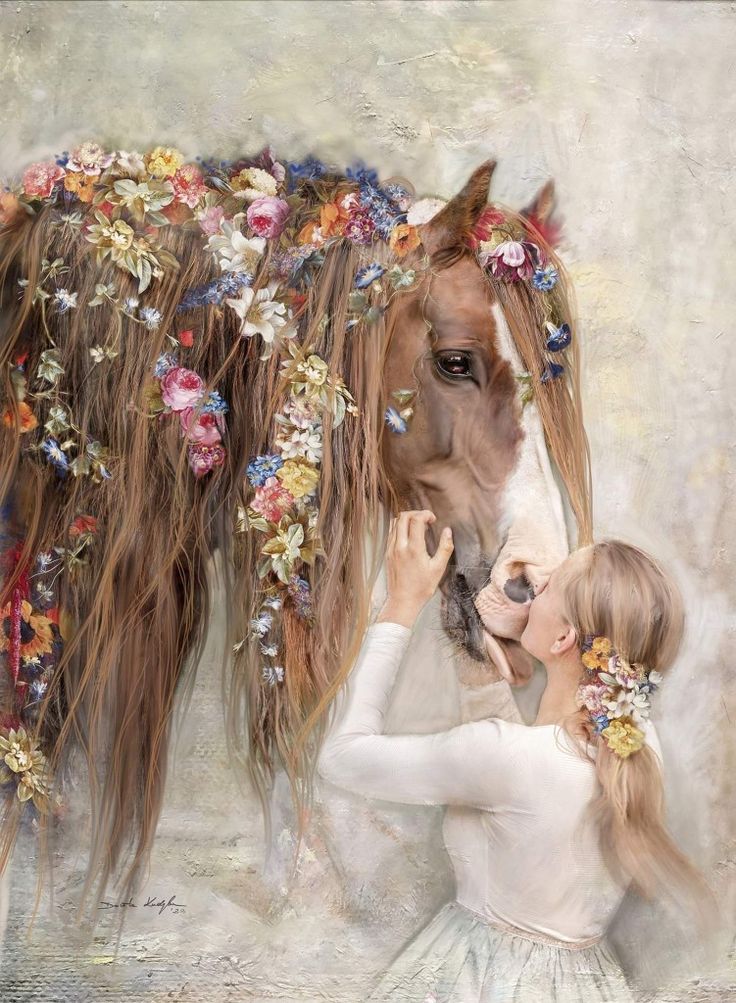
[(518, 831)]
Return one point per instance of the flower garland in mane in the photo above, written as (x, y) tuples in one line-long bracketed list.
[(154, 304)]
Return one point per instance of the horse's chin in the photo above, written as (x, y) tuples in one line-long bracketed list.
[(513, 662), (504, 656)]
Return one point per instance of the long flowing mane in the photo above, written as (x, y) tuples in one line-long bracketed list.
[(131, 534)]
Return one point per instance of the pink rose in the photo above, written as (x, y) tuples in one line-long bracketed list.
[(210, 218), (188, 184), (591, 696), (39, 179), (203, 458), (181, 388), (203, 428), (267, 215), (272, 499)]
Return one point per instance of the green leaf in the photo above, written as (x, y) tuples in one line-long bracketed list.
[(58, 421), (357, 301), (144, 274), (49, 366), (80, 466)]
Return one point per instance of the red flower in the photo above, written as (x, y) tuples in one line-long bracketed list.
[(39, 179), (186, 338), (489, 218), (202, 458), (202, 428), (83, 524), (267, 216), (181, 388), (188, 184), (272, 499)]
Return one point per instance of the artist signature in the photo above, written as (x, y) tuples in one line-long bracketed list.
[(152, 902)]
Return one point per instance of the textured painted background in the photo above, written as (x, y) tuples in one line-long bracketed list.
[(629, 106)]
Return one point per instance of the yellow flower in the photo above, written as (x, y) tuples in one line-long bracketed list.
[(403, 238), (299, 477), (82, 184), (114, 237), (314, 370), (600, 652), (623, 737), (254, 183), (24, 762), (164, 162), (37, 638)]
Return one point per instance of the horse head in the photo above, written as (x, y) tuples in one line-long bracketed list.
[(472, 452)]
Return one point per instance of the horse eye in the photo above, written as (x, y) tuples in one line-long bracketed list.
[(456, 365)]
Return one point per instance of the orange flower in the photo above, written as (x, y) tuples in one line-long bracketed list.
[(307, 234), (82, 184), (9, 208), (36, 640), (332, 219), (26, 420), (404, 238)]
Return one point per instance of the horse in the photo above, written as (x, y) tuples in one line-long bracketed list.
[(297, 372)]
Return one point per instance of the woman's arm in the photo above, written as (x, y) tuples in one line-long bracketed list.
[(464, 766)]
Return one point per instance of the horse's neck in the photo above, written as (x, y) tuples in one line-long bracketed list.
[(429, 695)]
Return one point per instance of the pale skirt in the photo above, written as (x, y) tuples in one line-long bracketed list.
[(459, 957)]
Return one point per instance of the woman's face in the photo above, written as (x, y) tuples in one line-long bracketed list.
[(547, 622)]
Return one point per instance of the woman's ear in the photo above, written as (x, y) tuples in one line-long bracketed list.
[(565, 641)]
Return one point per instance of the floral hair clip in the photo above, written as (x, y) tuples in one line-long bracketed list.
[(616, 693)]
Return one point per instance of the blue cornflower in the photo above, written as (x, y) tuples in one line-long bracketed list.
[(262, 467), (394, 421), (382, 209), (371, 273), (164, 363), (213, 293), (65, 300), (215, 404), (306, 169), (38, 688), (545, 278), (151, 317), (273, 674), (601, 722), (300, 594), (552, 371), (362, 174), (55, 455), (261, 625), (558, 338)]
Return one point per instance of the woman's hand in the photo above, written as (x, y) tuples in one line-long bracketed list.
[(413, 576)]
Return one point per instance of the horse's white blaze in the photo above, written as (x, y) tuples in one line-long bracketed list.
[(532, 523)]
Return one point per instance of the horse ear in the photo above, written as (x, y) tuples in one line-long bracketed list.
[(543, 203), (449, 227), (539, 214)]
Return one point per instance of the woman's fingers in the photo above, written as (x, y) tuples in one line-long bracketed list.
[(417, 531), (443, 552), (402, 531)]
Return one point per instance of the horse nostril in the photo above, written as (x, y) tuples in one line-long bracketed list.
[(519, 589)]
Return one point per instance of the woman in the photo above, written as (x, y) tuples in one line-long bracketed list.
[(547, 825)]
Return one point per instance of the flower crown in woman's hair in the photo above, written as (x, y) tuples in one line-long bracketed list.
[(616, 694)]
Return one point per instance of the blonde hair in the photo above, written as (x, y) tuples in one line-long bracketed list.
[(616, 590)]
